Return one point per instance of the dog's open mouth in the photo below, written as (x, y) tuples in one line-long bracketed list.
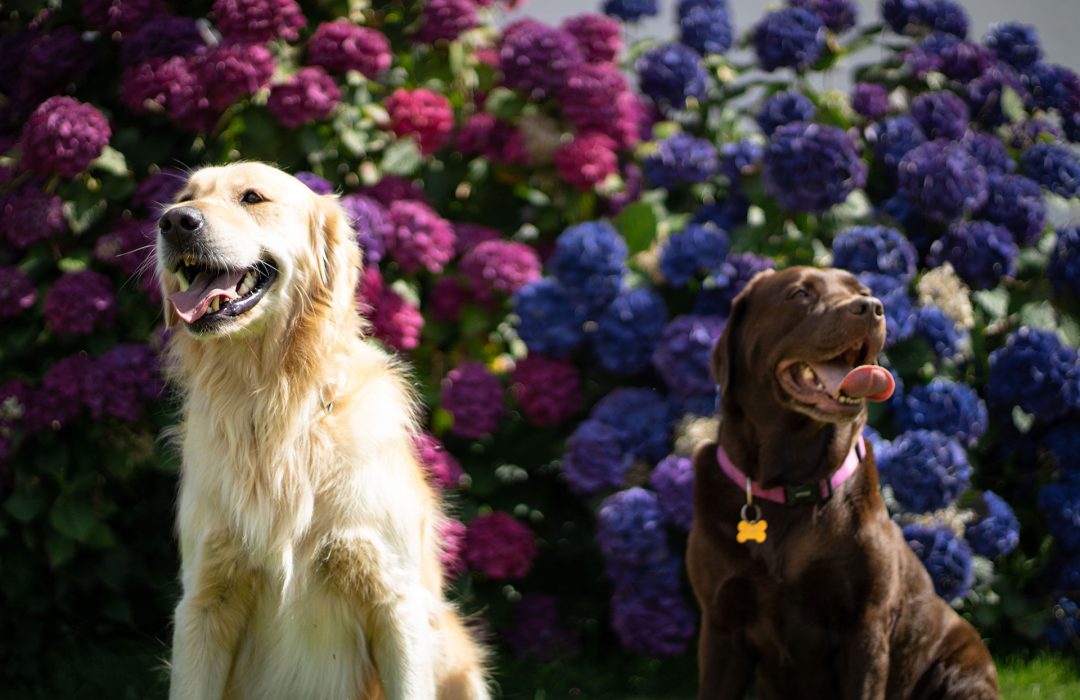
[(208, 292), (837, 384)]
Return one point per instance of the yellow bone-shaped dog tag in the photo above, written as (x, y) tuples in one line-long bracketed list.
[(751, 531)]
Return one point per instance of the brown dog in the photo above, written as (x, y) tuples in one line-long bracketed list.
[(833, 603)]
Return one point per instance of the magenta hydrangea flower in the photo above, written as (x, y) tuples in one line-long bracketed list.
[(425, 115), (394, 188), (499, 546), (537, 59), (29, 215), (467, 236), (62, 395), (499, 141), (258, 20), (452, 543), (169, 85), (17, 292), (396, 321), (128, 247), (80, 303), (63, 136), (442, 468), (548, 390), (497, 268), (418, 237), (129, 381), (598, 36), (341, 46), (310, 95), (52, 60), (163, 36), (587, 160), (157, 191), (368, 289), (120, 15), (474, 397), (446, 20), (447, 298), (232, 71), (590, 97)]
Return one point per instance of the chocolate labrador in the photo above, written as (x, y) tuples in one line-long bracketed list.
[(807, 588)]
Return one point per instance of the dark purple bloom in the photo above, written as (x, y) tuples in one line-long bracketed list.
[(79, 303), (1063, 269), (941, 115), (548, 390), (1059, 503), (589, 262), (51, 62), (789, 38), (893, 139), (1064, 627), (673, 481), (594, 459), (945, 338), (641, 417), (172, 86), (1016, 203), (1051, 86), (1035, 371), (537, 59), (446, 20), (736, 160), (1014, 43), (157, 190), (784, 108), (341, 46), (130, 381), (655, 627), (128, 247), (984, 95), (990, 152), (598, 36), (474, 397), (942, 180), (875, 249), (947, 558), (1054, 167), (309, 95), (17, 292), (499, 268), (447, 299), (258, 20), (870, 100), (499, 546), (997, 531), (371, 221), (630, 10), (682, 357), (393, 188), (443, 469), (697, 248), (926, 470), (914, 17), (1063, 443), (811, 167), (671, 74), (123, 16), (680, 159), (62, 395), (899, 308), (232, 71), (965, 61), (590, 97), (536, 632), (928, 54), (706, 27), (161, 37), (315, 183), (630, 528), (628, 330), (980, 252), (727, 214), (495, 139), (949, 407), (548, 322), (63, 136), (728, 280), (837, 15), (29, 215), (418, 238)]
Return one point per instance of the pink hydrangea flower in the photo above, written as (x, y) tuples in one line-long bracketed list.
[(499, 546), (452, 538), (425, 115), (598, 36), (587, 160), (341, 46), (310, 95), (258, 20), (499, 268), (442, 468), (548, 390), (418, 237)]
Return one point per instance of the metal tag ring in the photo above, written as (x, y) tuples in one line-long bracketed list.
[(757, 512)]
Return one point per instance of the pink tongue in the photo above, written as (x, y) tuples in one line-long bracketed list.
[(868, 382), (192, 304)]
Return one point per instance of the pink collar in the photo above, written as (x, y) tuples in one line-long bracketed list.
[(804, 493)]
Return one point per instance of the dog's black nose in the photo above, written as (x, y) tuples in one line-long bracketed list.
[(180, 224), (864, 306)]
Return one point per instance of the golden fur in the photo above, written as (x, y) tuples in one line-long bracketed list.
[(307, 529)]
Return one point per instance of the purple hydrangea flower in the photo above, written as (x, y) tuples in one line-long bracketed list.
[(130, 381), (594, 459), (1035, 371), (630, 10), (654, 627), (1054, 167), (63, 136), (628, 330), (630, 528), (170, 85), (548, 390), (496, 268), (536, 632), (984, 95), (1063, 443), (1014, 43), (51, 62), (310, 95), (418, 237), (467, 236), (870, 100), (947, 558), (341, 46), (949, 407), (838, 15), (671, 74), (792, 37), (157, 191), (811, 167), (62, 395), (446, 20), (393, 188), (1051, 86), (80, 303), (784, 108), (942, 180), (673, 481), (736, 160), (447, 299), (598, 36), (980, 252), (697, 248), (371, 221), (965, 61), (899, 308), (589, 262), (495, 139), (590, 97), (443, 469), (705, 26), (17, 292), (1016, 203), (641, 417), (653, 580), (941, 114), (128, 247), (548, 322), (914, 17), (162, 37), (499, 546), (893, 139), (1063, 269), (232, 71), (258, 20), (997, 531), (875, 249), (29, 215), (315, 183), (474, 397), (1064, 627), (123, 16), (1059, 504), (940, 332), (682, 357), (990, 152), (680, 159), (537, 59), (926, 469), (728, 280)]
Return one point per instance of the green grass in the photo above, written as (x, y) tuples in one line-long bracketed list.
[(1045, 677)]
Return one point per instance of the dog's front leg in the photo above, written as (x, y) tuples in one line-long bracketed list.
[(725, 662), (211, 614), (867, 669)]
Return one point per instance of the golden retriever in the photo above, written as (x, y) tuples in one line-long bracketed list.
[(307, 530)]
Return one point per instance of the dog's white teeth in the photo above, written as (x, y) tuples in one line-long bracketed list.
[(247, 285), (183, 280), (190, 261), (808, 373), (215, 305)]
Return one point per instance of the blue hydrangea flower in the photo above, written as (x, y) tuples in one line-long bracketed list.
[(726, 215), (696, 405), (789, 38), (681, 159), (947, 558), (594, 459), (984, 95), (875, 249), (941, 114), (1063, 269), (965, 61), (695, 249), (913, 17), (899, 307), (705, 26), (642, 418), (980, 252), (870, 100), (1051, 86), (893, 139), (942, 181), (671, 74), (946, 406), (1064, 627), (928, 54), (1063, 443), (589, 262), (1071, 125), (630, 528), (725, 283), (738, 159), (1059, 503), (926, 469), (1014, 43), (811, 167), (630, 10), (838, 15), (548, 323), (1054, 167), (990, 152), (1035, 371), (651, 580), (1016, 202), (877, 443), (673, 482), (654, 627), (784, 108), (682, 357), (628, 330), (997, 532)]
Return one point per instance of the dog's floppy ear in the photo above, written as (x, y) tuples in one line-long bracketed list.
[(339, 255), (723, 355)]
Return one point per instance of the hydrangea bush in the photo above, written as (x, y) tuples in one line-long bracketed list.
[(554, 226)]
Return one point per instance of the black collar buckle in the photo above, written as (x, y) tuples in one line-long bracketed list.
[(808, 493)]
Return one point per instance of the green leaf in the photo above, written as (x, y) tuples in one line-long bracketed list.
[(1012, 105), (504, 103), (637, 224), (73, 517), (112, 161), (59, 549), (1039, 314), (401, 158), (995, 302), (26, 503)]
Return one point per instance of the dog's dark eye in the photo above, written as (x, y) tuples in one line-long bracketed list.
[(251, 197), (798, 293)]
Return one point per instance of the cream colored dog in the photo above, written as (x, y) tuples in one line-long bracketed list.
[(307, 530)]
